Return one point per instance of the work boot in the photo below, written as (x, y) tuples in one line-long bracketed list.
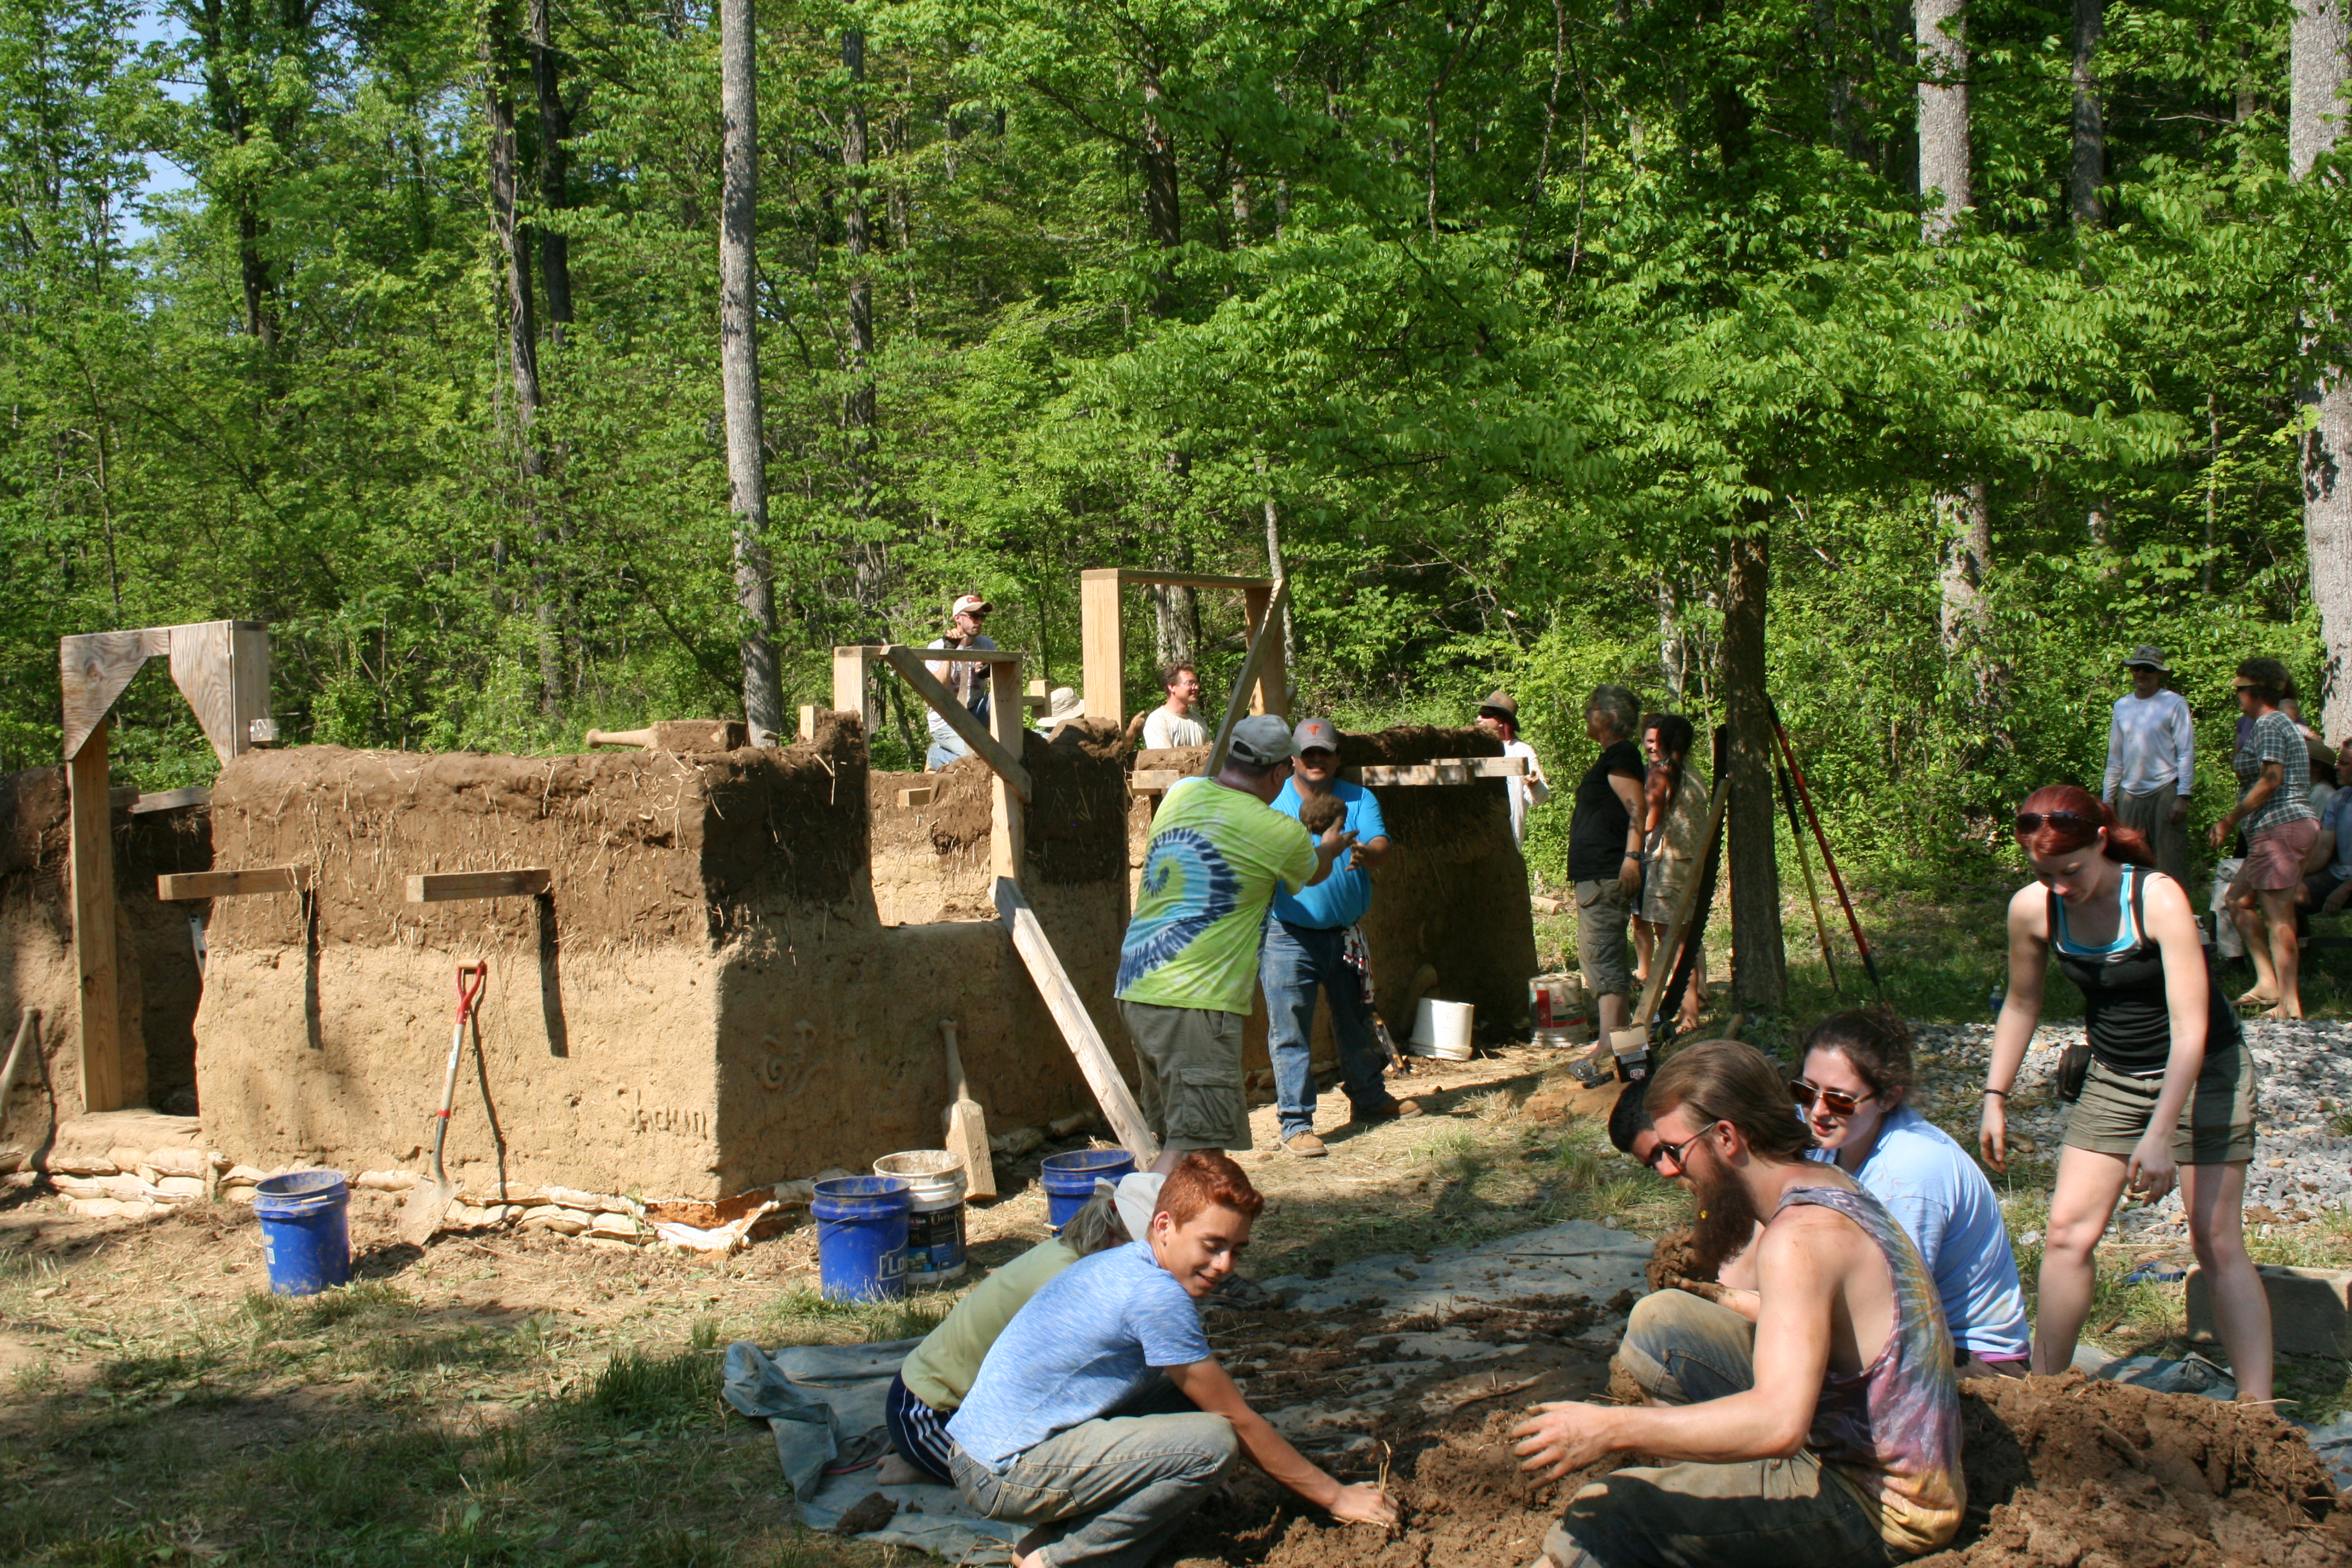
[(1306, 1145), (1395, 1111)]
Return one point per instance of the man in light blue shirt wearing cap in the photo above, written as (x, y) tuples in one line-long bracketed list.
[(1312, 944)]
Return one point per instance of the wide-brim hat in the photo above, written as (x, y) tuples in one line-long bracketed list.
[(1065, 703), (1499, 700), (2148, 655)]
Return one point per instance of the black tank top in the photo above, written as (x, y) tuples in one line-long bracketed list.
[(2123, 1008)]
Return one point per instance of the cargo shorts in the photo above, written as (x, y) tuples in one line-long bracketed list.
[(1191, 1082), (1601, 951)]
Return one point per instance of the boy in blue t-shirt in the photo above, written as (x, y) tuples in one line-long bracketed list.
[(1065, 1427), (1309, 936)]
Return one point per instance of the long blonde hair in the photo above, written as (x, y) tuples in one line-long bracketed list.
[(1096, 1227)]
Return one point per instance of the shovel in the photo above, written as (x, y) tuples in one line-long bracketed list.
[(422, 1215), (966, 1125)]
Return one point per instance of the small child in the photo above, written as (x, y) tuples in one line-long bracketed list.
[(1320, 813)]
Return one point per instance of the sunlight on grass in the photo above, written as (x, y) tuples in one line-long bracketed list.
[(804, 1317)]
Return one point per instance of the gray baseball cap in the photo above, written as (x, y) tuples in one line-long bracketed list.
[(1261, 741), (1319, 734)]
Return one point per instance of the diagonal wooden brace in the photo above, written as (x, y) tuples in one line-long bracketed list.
[(1077, 1026), (909, 662)]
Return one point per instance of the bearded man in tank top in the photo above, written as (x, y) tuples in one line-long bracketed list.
[(1814, 1420)]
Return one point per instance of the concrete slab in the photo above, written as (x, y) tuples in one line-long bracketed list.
[(1574, 1258)]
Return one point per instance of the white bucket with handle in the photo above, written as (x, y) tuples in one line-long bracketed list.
[(1442, 1029)]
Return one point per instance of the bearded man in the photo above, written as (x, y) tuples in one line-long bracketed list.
[(1827, 1429)]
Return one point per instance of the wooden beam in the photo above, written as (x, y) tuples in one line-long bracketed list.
[(1269, 630), (1134, 576), (1102, 647), (853, 690), (1036, 698), (137, 803), (185, 885), (1076, 1025), (439, 886), (1440, 771), (909, 662), (92, 670), (954, 655), (1273, 693), (90, 817), (1008, 822), (222, 667), (915, 795), (808, 720), (679, 735)]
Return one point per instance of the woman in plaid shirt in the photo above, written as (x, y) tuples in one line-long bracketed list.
[(2273, 768)]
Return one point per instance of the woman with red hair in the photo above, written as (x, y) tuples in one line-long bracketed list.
[(2169, 1091)]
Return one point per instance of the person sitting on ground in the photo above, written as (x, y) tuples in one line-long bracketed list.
[(1828, 1430), (2327, 870), (966, 678), (1101, 1418), (1314, 944), (2274, 766), (1604, 853), (2169, 1091), (1674, 812), (1187, 971), (1854, 1092), (1499, 716), (931, 1383), (1171, 723)]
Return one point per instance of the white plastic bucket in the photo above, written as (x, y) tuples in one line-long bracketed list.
[(935, 1219), (1442, 1029), (1555, 1001)]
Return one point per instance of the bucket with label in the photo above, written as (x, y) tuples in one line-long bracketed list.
[(305, 1230), (1556, 1001), (935, 1189), (1442, 1029), (861, 1237), (1069, 1178)]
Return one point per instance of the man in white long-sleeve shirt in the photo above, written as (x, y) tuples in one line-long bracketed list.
[(2152, 762)]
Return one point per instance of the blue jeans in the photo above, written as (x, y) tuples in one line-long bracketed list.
[(1296, 961), (942, 752), (1108, 1492)]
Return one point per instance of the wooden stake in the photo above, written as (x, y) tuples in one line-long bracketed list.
[(100, 1020), (1102, 645), (185, 885), (1008, 823)]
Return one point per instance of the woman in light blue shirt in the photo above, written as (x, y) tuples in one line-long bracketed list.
[(1857, 1074)]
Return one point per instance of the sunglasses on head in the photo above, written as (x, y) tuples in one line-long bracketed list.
[(2033, 821), (1836, 1101)]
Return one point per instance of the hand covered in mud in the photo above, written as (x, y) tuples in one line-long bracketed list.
[(1747, 1303), (1563, 1436), (1364, 1505)]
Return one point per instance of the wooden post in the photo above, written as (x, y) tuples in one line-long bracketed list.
[(853, 692), (909, 662), (1103, 647), (103, 1085), (1267, 641), (1008, 823), (1272, 694)]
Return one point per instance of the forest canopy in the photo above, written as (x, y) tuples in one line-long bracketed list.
[(1511, 330)]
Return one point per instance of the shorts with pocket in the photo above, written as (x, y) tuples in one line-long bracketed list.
[(1191, 1082), (1601, 908), (2275, 856), (2217, 1125)]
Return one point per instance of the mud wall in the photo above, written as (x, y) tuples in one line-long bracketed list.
[(1452, 893), (706, 1000), (156, 978)]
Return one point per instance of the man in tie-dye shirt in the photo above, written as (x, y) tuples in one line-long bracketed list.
[(1814, 1421)]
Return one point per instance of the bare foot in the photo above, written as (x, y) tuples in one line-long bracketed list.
[(2280, 1011), (2255, 998), (894, 1471)]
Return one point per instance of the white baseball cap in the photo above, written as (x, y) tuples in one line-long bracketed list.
[(1136, 1197)]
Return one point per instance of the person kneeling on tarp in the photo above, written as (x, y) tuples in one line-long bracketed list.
[(931, 1383), (1828, 1430), (1074, 1426)]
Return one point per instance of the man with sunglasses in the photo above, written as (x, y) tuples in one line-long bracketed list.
[(1827, 1429)]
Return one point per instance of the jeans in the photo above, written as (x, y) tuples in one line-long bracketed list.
[(942, 752), (1756, 1513), (1296, 961), (1109, 1491)]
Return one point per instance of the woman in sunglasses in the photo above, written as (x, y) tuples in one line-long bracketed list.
[(2169, 1093), (1857, 1077)]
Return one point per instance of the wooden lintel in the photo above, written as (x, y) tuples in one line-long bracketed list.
[(909, 662), (188, 885), (953, 654), (1131, 577), (1076, 1025), (137, 803), (439, 886)]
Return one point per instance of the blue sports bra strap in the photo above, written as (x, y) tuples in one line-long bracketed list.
[(2057, 922)]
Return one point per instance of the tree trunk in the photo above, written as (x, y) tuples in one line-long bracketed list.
[(523, 359), (2319, 42), (2089, 163), (1160, 212), (739, 360), (1964, 521), (1674, 648), (554, 169), (857, 411), (1760, 971)]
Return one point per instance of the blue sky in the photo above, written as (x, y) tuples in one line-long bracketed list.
[(163, 177)]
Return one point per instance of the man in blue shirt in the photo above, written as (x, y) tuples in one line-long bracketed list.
[(1101, 1418), (1312, 944)]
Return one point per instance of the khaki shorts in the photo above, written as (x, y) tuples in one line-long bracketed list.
[(2217, 1125), (1602, 908), (1191, 1085)]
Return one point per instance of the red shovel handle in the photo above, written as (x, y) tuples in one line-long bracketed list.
[(468, 995)]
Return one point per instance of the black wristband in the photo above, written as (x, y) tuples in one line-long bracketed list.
[(2002, 1093)]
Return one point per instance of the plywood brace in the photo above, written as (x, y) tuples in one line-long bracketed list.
[(185, 885), (441, 887), (1078, 1025), (1103, 641)]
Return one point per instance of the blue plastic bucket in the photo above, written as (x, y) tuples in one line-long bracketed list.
[(1070, 1179), (861, 1237), (305, 1230)]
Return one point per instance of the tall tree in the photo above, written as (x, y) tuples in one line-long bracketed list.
[(1963, 516), (739, 361), (2087, 169), (554, 168), (2317, 47), (859, 406)]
